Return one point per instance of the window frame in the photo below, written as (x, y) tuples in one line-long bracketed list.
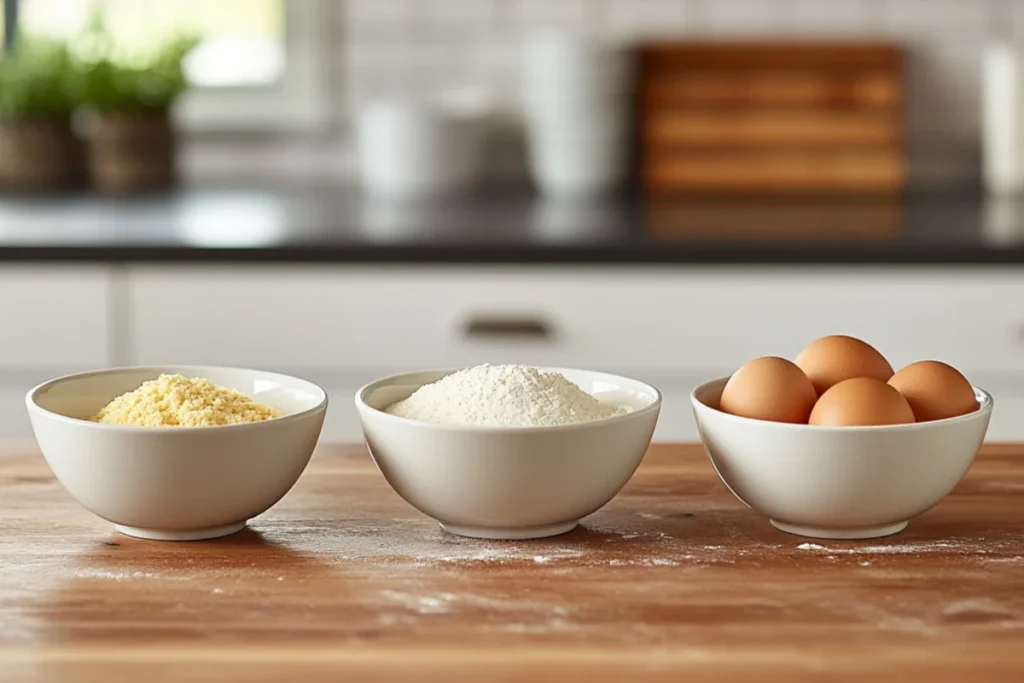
[(297, 102)]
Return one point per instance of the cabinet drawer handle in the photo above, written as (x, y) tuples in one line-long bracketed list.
[(506, 327)]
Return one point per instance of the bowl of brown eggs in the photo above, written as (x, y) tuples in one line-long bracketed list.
[(835, 443)]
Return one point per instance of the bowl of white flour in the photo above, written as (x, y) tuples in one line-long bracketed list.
[(508, 451)]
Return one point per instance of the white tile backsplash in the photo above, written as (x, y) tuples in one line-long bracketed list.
[(645, 18), (563, 13), (361, 14), (952, 18), (494, 62), (741, 17), (388, 45), (831, 17), (467, 15)]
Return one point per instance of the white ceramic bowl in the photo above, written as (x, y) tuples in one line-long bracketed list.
[(175, 483), (838, 482), (508, 483)]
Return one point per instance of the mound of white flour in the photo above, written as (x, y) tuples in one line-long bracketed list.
[(504, 396)]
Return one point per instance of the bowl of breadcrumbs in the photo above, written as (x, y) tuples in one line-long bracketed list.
[(179, 401), (177, 452)]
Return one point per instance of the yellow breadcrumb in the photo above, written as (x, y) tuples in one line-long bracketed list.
[(177, 401)]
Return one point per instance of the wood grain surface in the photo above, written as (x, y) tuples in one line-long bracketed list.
[(710, 130), (784, 173), (674, 580), (756, 118), (773, 89)]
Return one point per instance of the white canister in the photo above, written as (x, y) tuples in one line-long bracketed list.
[(1003, 120), (577, 96), (413, 150), (560, 64)]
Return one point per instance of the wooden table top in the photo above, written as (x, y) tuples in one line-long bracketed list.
[(673, 578)]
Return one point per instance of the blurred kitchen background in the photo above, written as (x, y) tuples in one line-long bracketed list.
[(342, 189)]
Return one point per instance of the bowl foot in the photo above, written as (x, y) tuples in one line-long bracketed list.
[(187, 535), (510, 534), (840, 534)]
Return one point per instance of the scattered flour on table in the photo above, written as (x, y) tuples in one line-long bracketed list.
[(991, 551), (423, 604), (810, 546), (518, 615), (116, 574), (504, 396), (976, 607)]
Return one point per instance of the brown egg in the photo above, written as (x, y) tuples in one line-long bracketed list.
[(830, 360), (934, 390), (861, 401), (769, 388)]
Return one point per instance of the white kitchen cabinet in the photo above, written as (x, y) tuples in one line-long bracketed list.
[(342, 326), (658, 319), (55, 317), (672, 327), (53, 320), (341, 424), (14, 385), (14, 423)]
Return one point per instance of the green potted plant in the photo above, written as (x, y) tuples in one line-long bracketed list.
[(40, 88), (131, 137)]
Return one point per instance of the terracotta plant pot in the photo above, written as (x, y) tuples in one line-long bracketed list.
[(40, 155), (131, 153)]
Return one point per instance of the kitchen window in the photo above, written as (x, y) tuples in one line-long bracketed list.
[(258, 66)]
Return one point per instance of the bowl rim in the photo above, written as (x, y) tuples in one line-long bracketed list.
[(653, 407), (30, 399), (984, 409)]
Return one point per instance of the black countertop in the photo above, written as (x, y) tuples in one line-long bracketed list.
[(325, 225)]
